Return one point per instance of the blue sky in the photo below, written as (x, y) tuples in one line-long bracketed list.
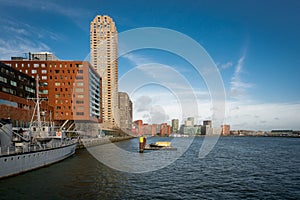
[(255, 45)]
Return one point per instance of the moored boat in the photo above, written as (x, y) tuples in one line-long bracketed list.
[(154, 146), (42, 144), (160, 144)]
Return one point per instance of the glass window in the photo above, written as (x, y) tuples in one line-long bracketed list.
[(2, 79), (13, 83), (80, 108), (79, 89)]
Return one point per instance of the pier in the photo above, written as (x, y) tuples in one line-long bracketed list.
[(90, 142)]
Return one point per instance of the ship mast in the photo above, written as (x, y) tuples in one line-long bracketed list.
[(38, 104)]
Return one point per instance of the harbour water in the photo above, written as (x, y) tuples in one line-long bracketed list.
[(237, 168)]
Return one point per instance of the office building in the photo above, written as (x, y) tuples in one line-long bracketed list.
[(42, 56), (72, 88), (125, 112), (207, 123), (104, 59), (15, 89), (175, 125), (137, 127), (189, 122), (165, 129), (225, 129), (37, 56)]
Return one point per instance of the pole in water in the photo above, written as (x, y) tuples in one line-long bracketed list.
[(142, 144)]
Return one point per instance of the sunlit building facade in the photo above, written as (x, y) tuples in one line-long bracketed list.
[(72, 88), (104, 59)]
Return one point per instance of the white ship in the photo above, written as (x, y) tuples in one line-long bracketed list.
[(39, 146)]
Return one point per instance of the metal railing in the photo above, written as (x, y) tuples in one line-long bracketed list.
[(34, 148)]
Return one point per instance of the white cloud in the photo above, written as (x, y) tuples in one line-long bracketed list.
[(225, 65), (19, 46), (238, 88), (137, 59), (49, 6), (245, 116), (18, 38), (263, 116), (174, 100)]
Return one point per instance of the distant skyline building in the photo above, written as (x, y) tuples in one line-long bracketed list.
[(104, 58), (137, 127), (189, 121), (207, 123), (165, 129), (225, 129), (175, 125)]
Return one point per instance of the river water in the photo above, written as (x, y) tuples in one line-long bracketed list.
[(237, 168)]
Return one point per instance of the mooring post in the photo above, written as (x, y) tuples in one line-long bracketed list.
[(142, 144)]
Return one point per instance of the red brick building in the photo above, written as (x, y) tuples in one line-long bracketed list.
[(137, 128), (165, 129), (225, 129), (71, 87)]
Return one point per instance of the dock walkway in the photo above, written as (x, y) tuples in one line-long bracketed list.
[(90, 142)]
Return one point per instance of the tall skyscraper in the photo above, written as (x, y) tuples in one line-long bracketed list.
[(104, 58)]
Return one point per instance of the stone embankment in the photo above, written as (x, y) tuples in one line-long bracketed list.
[(90, 142)]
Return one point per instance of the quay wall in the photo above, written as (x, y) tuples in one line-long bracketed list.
[(90, 142)]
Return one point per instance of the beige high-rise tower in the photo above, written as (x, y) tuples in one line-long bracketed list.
[(104, 58)]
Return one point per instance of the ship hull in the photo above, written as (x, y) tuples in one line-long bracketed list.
[(15, 164)]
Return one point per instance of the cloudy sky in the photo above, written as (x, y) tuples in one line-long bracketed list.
[(254, 45)]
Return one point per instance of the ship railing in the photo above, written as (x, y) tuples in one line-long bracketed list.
[(13, 150)]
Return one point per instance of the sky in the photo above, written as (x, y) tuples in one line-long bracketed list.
[(255, 46)]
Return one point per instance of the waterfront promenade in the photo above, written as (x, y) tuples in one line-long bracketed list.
[(90, 142)]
